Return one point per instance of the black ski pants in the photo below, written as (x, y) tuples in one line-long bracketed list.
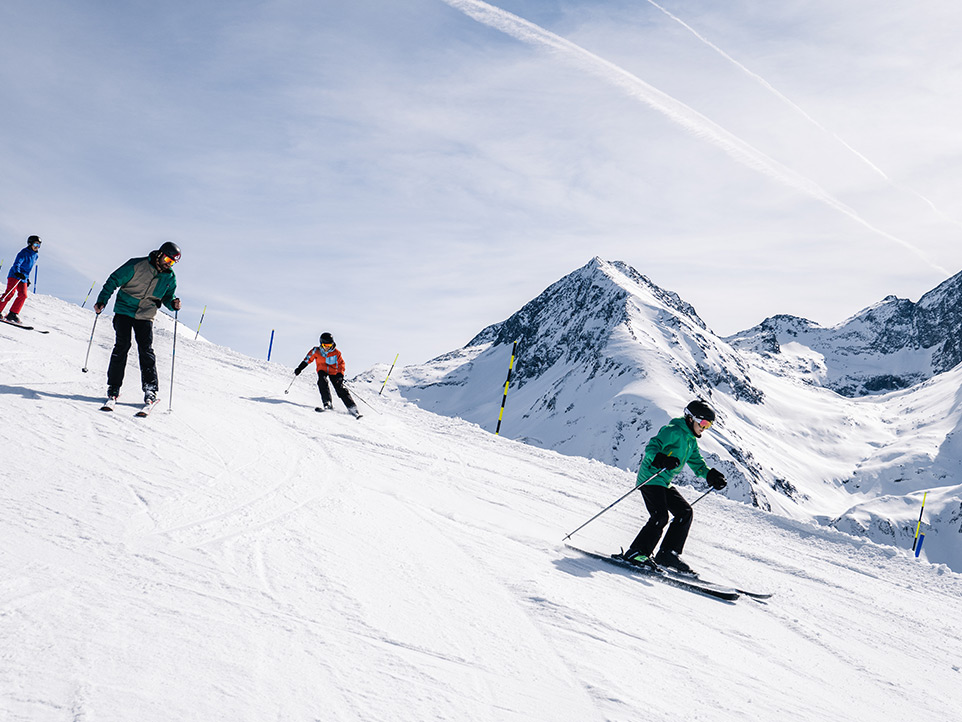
[(337, 381), (143, 331), (662, 501)]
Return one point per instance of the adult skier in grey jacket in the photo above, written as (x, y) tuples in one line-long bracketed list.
[(145, 284)]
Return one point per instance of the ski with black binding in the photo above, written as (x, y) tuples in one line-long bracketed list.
[(20, 325), (682, 581)]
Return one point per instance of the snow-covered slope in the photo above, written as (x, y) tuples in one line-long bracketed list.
[(607, 357), (244, 558)]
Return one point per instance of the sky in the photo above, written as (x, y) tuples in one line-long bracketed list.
[(404, 174)]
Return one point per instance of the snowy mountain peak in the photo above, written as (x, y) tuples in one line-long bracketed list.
[(603, 346), (573, 319), (893, 344)]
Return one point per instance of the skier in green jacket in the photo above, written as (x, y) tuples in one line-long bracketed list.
[(675, 445), (144, 285)]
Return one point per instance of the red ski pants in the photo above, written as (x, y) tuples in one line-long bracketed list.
[(18, 286)]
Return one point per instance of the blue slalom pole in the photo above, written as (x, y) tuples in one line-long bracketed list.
[(918, 545), (271, 346)]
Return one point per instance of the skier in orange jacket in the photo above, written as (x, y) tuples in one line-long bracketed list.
[(330, 364)]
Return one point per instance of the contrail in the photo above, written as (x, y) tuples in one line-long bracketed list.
[(690, 119), (792, 104)]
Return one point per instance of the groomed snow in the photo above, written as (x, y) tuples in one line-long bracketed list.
[(244, 558)]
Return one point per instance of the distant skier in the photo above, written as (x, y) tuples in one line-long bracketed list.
[(18, 279), (675, 445), (145, 284), (330, 364)]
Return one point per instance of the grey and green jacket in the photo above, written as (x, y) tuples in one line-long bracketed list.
[(677, 440), (142, 288)]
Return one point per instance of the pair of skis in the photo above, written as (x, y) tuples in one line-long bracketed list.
[(322, 409), (675, 579), (144, 412)]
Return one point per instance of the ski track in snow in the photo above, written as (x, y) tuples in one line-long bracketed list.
[(244, 558)]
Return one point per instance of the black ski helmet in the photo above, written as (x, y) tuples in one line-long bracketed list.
[(33, 239), (699, 409), (169, 248), (327, 338)]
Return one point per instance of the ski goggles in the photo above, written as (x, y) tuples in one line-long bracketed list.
[(327, 346), (168, 261), (703, 424)]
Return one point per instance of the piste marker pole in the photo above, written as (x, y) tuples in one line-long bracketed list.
[(202, 314), (88, 294), (389, 373), (504, 398), (918, 526)]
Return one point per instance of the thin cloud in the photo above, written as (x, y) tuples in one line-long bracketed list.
[(685, 116), (801, 111)]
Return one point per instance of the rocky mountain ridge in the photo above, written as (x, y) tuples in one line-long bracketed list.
[(891, 345)]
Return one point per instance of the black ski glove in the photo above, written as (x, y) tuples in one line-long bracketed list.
[(300, 368), (662, 461), (716, 479)]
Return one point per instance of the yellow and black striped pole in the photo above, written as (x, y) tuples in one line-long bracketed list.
[(514, 350), (388, 373)]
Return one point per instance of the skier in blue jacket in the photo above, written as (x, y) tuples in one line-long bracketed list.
[(18, 279)]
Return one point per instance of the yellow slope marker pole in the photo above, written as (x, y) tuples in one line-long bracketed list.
[(88, 294), (504, 398), (202, 314), (389, 373)]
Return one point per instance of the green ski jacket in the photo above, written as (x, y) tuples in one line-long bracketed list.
[(142, 289), (677, 440)]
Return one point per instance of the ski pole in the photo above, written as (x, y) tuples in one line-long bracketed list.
[(291, 384), (173, 352), (613, 503), (90, 343), (701, 497), (354, 393)]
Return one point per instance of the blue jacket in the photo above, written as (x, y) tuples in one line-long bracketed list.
[(23, 264)]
